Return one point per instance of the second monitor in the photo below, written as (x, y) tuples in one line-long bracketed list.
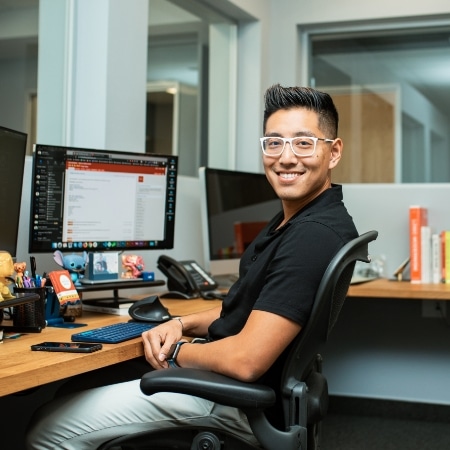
[(235, 206)]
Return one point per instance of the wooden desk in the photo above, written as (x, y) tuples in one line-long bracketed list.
[(383, 288), (21, 368)]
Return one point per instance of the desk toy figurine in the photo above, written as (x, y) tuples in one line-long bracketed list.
[(19, 268), (133, 265), (75, 264), (6, 270)]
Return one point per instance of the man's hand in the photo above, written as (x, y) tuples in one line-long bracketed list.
[(159, 343)]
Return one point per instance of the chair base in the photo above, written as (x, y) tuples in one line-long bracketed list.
[(180, 438)]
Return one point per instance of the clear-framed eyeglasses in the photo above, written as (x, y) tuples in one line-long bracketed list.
[(300, 146)]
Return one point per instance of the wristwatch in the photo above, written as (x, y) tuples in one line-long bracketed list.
[(173, 359)]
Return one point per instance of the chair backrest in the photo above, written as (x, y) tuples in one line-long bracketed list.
[(328, 302)]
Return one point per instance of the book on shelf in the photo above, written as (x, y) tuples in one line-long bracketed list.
[(119, 310), (418, 218), (425, 254), (436, 259), (445, 256)]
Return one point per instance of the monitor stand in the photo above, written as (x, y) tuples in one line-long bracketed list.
[(115, 301)]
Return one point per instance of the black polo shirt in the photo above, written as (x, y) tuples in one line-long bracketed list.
[(281, 269)]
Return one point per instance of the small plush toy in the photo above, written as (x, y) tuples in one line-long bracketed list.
[(133, 265), (75, 264), (19, 268)]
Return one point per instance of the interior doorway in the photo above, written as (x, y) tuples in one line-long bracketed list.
[(172, 124)]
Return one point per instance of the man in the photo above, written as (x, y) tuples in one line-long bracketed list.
[(264, 310)]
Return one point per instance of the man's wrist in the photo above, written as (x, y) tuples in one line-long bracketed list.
[(181, 323)]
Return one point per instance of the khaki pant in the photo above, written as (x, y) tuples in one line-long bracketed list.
[(86, 419)]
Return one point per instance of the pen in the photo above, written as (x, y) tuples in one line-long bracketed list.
[(33, 267)]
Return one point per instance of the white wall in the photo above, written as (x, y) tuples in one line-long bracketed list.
[(384, 207), (384, 348)]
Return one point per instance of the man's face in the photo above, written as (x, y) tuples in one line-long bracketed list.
[(297, 180)]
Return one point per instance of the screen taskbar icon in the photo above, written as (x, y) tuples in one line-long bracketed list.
[(108, 245), (85, 245)]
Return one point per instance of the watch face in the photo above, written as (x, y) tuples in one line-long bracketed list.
[(171, 351), (177, 350)]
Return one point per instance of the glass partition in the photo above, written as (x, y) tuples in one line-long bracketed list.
[(392, 88)]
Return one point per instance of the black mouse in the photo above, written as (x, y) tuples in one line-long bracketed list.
[(149, 309)]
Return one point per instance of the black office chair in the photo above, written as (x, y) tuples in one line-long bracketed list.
[(304, 389)]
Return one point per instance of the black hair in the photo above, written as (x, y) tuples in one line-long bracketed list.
[(278, 97)]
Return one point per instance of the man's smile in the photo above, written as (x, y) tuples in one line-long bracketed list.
[(288, 175)]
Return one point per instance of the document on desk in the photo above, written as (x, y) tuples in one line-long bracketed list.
[(226, 280), (358, 279)]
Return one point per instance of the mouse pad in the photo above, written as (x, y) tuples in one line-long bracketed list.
[(67, 325)]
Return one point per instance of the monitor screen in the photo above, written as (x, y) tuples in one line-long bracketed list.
[(100, 200), (13, 145), (235, 207)]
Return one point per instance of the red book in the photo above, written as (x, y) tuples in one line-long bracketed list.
[(418, 217), (63, 285)]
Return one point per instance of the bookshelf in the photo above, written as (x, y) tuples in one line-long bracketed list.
[(390, 289)]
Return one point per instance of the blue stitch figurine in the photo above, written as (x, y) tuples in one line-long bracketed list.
[(75, 264)]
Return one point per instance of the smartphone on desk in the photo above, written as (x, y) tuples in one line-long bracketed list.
[(71, 347)]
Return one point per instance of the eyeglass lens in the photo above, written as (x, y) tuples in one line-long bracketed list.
[(302, 146)]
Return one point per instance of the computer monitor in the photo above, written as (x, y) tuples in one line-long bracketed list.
[(231, 203), (100, 200), (13, 146)]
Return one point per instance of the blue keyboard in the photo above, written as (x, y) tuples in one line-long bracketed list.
[(113, 334)]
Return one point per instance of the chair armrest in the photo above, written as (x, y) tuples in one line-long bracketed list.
[(210, 386)]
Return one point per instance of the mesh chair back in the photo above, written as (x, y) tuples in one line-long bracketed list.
[(328, 303)]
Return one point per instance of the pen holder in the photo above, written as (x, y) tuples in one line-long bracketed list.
[(30, 314)]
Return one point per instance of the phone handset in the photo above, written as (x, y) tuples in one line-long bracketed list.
[(185, 277)]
